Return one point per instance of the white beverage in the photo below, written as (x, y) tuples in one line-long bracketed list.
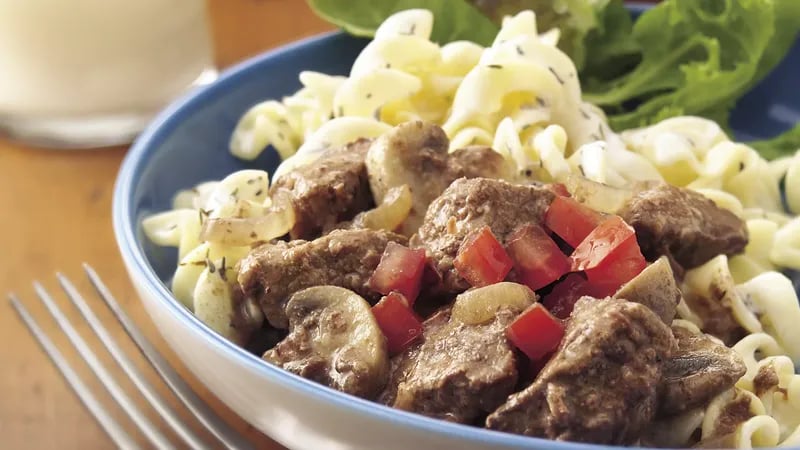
[(63, 62)]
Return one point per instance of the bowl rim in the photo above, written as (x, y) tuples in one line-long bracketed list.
[(125, 234)]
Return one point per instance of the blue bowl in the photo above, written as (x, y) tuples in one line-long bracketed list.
[(188, 143)]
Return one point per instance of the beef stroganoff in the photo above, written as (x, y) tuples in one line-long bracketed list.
[(493, 139)]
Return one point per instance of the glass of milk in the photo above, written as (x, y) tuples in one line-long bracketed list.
[(91, 73)]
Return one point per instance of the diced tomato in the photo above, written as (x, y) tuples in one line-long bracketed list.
[(536, 332), (565, 293), (400, 269), (559, 189), (537, 259), (481, 259), (397, 321), (609, 276), (610, 256), (572, 221)]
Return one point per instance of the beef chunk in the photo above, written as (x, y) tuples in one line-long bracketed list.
[(333, 340), (346, 258), (458, 373), (470, 204), (600, 385), (683, 225), (697, 372), (327, 191), (416, 154)]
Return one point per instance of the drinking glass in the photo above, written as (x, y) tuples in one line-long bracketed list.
[(92, 73)]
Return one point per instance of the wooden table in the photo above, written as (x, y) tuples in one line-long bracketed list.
[(55, 212)]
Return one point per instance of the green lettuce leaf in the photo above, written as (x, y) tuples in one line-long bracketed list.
[(784, 144), (696, 56), (786, 28), (454, 19), (610, 51)]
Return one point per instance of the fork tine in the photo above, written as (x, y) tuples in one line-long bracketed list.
[(149, 430), (167, 413), (106, 421), (219, 428)]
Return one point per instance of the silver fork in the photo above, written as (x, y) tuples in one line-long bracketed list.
[(218, 428)]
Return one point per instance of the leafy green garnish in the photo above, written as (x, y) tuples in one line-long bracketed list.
[(695, 56), (454, 19), (782, 145), (610, 51)]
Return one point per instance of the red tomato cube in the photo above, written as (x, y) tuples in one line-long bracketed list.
[(537, 259), (571, 220), (610, 256), (535, 332), (561, 300), (398, 322), (400, 269), (481, 259)]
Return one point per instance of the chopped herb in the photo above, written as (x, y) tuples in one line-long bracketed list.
[(253, 235), (211, 267), (377, 114), (281, 136), (259, 192), (235, 192), (585, 114), (172, 227), (494, 66), (528, 173), (580, 167), (251, 181), (555, 74), (541, 102), (520, 52), (741, 166), (369, 95), (222, 270), (283, 121), (203, 214), (388, 65)]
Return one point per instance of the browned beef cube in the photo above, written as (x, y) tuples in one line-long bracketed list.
[(601, 384), (683, 225), (458, 373), (344, 258)]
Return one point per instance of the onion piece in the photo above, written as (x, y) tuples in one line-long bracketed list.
[(390, 214), (481, 305), (598, 196), (277, 221)]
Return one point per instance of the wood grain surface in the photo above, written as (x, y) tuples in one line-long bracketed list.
[(55, 212)]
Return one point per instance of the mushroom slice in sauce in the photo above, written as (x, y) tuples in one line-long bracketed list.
[(334, 340)]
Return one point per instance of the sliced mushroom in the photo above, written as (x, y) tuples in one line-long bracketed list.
[(698, 371), (654, 287), (416, 154), (334, 340), (481, 305)]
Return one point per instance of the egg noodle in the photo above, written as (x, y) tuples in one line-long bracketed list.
[(522, 97)]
